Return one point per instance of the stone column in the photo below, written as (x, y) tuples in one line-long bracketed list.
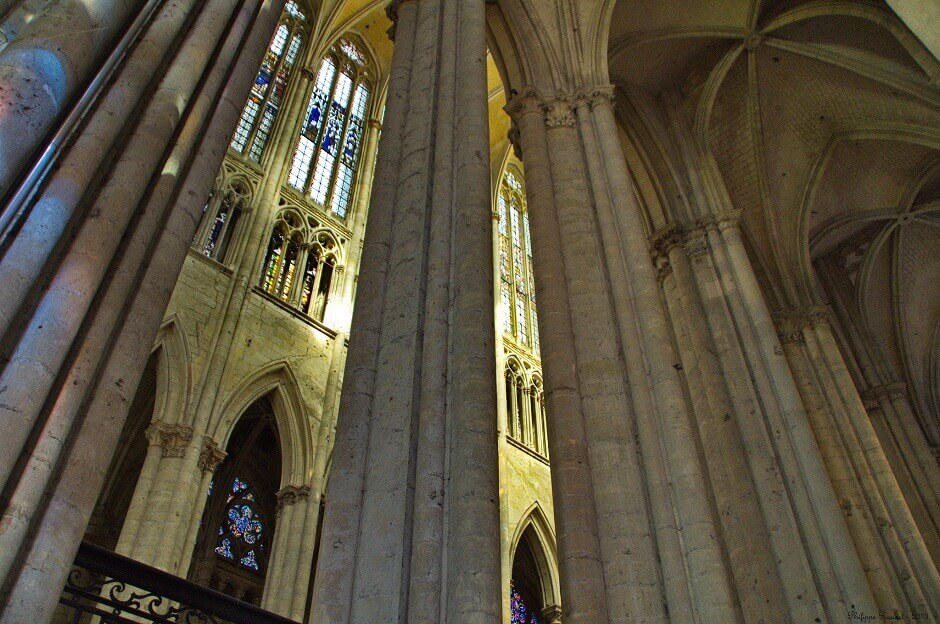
[(720, 419), (887, 403), (832, 552), (76, 356), (284, 561), (902, 574), (412, 522), (46, 66), (591, 236)]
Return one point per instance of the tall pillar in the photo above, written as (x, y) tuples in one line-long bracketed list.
[(412, 524), (89, 315), (900, 569), (47, 65), (290, 536), (727, 432), (620, 427)]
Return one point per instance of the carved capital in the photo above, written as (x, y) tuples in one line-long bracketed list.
[(885, 393), (375, 124), (172, 439), (560, 112), (552, 614), (791, 324), (520, 104), (597, 96), (291, 494), (727, 219), (695, 242), (308, 73), (392, 12), (515, 139), (665, 239), (663, 268), (211, 455)]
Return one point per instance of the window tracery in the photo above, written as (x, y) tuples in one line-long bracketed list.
[(299, 268), (220, 219), (525, 407), (327, 154), (267, 92), (242, 535), (517, 283)]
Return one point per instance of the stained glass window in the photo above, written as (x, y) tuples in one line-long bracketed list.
[(267, 93), (517, 284), (280, 269), (242, 531), (327, 154), (519, 613)]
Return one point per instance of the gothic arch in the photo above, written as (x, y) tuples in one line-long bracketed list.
[(535, 533), (174, 372), (278, 381)]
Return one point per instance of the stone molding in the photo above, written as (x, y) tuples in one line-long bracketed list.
[(558, 110), (211, 455), (790, 324), (885, 393), (290, 494), (552, 614), (693, 240), (375, 124), (172, 439)]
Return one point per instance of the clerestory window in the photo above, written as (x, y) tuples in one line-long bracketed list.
[(267, 93), (327, 154), (516, 282)]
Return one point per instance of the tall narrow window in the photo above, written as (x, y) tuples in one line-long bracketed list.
[(517, 284), (327, 153), (257, 120), (280, 269)]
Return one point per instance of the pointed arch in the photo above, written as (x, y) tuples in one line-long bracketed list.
[(174, 372), (278, 381), (534, 532)]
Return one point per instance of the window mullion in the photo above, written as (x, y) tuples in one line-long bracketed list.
[(320, 132), (256, 124), (341, 145)]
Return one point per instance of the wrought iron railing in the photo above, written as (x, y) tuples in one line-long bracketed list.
[(107, 588)]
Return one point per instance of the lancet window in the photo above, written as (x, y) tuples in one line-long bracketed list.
[(300, 269), (516, 282), (327, 154), (267, 93), (220, 218)]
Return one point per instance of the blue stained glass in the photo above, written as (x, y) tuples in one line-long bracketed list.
[(264, 77), (243, 523), (518, 612), (249, 560), (224, 549), (333, 128), (241, 532)]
